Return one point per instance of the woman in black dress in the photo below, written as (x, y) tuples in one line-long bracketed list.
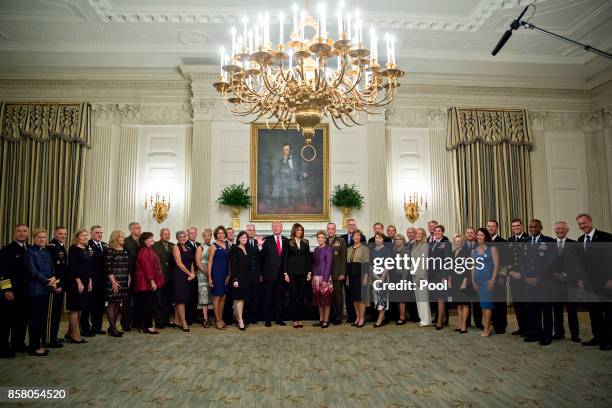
[(118, 282), (357, 270), (460, 282), (183, 273), (239, 275), (79, 259), (439, 248), (297, 272)]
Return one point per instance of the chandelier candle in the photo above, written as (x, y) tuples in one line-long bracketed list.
[(312, 77)]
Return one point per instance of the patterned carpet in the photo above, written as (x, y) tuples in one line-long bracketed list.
[(393, 366)]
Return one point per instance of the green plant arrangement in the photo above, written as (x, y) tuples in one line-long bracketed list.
[(347, 197), (236, 196)]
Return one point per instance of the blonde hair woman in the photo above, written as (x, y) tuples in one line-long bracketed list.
[(119, 280), (79, 259), (201, 257), (420, 251)]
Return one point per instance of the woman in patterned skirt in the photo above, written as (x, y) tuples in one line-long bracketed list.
[(116, 267), (203, 286), (322, 288)]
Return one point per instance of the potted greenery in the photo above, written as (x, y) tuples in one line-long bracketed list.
[(236, 196), (346, 197)]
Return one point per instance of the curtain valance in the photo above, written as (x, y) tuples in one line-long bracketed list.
[(44, 121), (488, 126)]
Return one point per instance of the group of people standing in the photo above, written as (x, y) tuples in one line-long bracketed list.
[(148, 285)]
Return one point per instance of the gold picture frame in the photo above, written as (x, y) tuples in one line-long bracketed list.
[(308, 197)]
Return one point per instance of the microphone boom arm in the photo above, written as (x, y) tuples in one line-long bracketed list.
[(585, 47)]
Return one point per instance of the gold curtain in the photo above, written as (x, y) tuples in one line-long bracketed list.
[(491, 166), (43, 149)]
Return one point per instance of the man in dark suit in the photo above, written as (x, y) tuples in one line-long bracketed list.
[(191, 308), (596, 260), (163, 295), (515, 252), (565, 276), (499, 318), (13, 311), (379, 228), (254, 246), (59, 257), (535, 270), (273, 254), (94, 311), (131, 247), (338, 246), (351, 226)]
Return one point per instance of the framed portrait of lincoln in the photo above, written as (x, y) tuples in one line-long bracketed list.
[(288, 180)]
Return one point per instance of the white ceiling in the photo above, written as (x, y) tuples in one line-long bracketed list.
[(436, 37)]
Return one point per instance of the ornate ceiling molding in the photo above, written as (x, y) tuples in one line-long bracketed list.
[(130, 113), (199, 15)]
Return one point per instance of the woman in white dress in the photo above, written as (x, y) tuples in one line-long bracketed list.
[(203, 285), (420, 250)]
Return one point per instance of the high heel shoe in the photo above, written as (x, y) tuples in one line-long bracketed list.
[(463, 331), (73, 341), (457, 330), (359, 326), (325, 325), (114, 333), (439, 327)]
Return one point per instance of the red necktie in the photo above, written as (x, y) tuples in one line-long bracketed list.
[(278, 245)]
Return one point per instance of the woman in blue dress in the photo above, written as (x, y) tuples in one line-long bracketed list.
[(218, 273), (484, 274)]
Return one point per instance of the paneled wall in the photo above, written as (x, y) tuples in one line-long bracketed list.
[(162, 168), (175, 135)]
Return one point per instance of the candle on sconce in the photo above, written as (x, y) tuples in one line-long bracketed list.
[(340, 19), (233, 31), (281, 21), (392, 39), (295, 21), (388, 44), (373, 44), (251, 49), (302, 23), (266, 29), (245, 37), (322, 21), (348, 26), (222, 54)]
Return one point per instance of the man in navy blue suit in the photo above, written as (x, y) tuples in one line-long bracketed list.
[(273, 251)]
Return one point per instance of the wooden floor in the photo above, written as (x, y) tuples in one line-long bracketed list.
[(392, 366)]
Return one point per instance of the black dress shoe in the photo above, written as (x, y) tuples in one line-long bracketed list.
[(463, 331), (20, 349), (54, 345), (558, 337), (280, 323), (100, 332), (126, 328), (337, 322), (7, 354), (500, 331), (605, 347), (88, 334), (516, 333), (268, 324), (545, 342), (37, 354), (531, 339), (576, 339), (592, 342), (324, 325)]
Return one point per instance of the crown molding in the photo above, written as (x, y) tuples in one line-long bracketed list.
[(228, 15)]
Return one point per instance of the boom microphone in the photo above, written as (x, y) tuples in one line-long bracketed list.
[(504, 39)]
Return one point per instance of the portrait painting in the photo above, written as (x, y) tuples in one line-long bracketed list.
[(288, 181)]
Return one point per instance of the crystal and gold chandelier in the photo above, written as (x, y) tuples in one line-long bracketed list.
[(308, 78)]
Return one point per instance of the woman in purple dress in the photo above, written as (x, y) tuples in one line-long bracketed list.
[(322, 288)]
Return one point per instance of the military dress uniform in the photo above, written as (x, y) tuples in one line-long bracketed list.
[(13, 313), (59, 256), (517, 245), (539, 257)]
